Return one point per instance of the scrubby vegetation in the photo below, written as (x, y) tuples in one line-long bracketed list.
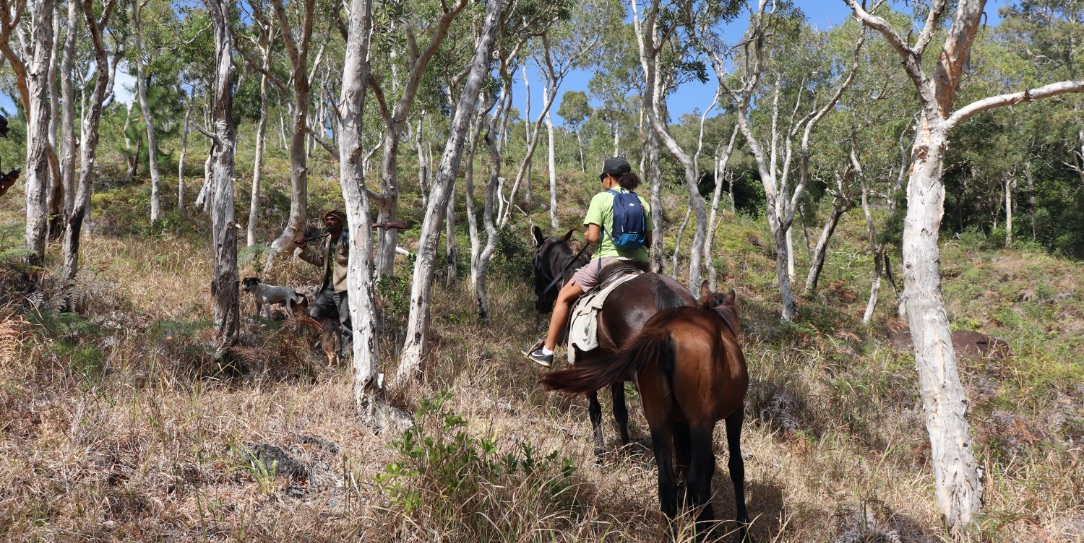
[(124, 421)]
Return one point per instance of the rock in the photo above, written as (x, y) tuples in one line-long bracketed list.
[(775, 405), (285, 464), (873, 522), (965, 343)]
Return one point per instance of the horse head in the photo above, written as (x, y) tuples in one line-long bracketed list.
[(551, 263), (725, 304)]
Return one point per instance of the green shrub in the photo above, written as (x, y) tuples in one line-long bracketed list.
[(462, 483)]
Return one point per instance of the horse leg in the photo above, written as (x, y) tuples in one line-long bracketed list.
[(662, 445), (737, 467), (681, 450), (595, 412), (701, 468), (621, 412)]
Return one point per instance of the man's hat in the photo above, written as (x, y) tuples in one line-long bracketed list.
[(337, 214), (616, 166)]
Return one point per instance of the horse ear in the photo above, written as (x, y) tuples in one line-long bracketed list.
[(730, 297), (705, 292), (538, 235), (568, 235)]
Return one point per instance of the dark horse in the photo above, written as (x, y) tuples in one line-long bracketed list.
[(626, 310), (691, 373)]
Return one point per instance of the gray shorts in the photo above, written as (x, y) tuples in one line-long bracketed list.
[(587, 276)]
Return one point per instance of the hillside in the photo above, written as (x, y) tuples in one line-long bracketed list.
[(120, 422)]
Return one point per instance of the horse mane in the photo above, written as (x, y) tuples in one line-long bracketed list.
[(561, 256)]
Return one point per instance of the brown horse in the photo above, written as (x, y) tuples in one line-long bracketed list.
[(691, 373), (626, 310)]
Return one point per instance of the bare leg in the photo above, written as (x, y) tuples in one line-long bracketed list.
[(561, 309)]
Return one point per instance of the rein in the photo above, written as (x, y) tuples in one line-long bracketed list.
[(560, 274)]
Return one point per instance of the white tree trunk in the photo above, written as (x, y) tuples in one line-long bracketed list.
[(958, 478), (224, 230), (714, 217), (395, 123), (410, 363), (352, 177), (1031, 197), (654, 98), (523, 174), (67, 111), (480, 254), (81, 209), (148, 118), (838, 209), (56, 191), (878, 253), (205, 198), (551, 164), (184, 152), (35, 99), (654, 174), (527, 129), (1010, 184), (298, 53), (261, 142)]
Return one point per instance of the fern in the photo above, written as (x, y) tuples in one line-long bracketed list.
[(13, 332)]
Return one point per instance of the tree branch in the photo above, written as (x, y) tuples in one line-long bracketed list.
[(911, 58), (931, 24), (1003, 100), (211, 135), (323, 143)]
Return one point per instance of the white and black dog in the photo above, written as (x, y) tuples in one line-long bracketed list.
[(265, 295)]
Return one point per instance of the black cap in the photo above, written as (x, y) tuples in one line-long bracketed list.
[(616, 166)]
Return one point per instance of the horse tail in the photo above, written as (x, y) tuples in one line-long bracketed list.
[(651, 345)]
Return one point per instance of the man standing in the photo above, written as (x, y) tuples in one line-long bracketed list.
[(333, 300)]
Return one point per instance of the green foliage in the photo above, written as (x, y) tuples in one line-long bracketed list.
[(256, 465), (514, 258), (447, 471), (75, 340), (394, 296), (252, 258)]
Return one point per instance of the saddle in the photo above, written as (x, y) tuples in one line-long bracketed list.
[(583, 320)]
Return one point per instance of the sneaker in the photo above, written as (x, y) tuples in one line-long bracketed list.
[(541, 359)]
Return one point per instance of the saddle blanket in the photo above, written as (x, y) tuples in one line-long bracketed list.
[(583, 324)]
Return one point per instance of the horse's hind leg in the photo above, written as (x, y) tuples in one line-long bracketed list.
[(662, 445), (681, 450), (737, 467), (698, 482), (621, 412), (594, 410)]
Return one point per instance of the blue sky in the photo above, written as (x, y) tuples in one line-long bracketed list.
[(692, 96), (688, 97)]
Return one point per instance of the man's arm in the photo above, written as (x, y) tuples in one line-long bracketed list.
[(302, 250)]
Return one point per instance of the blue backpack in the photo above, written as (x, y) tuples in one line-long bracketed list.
[(630, 221)]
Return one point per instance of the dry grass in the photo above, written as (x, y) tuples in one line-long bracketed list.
[(120, 423)]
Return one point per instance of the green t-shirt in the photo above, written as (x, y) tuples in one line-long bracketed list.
[(601, 212)]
